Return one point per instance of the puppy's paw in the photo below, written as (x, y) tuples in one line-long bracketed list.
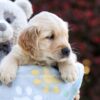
[(7, 75), (69, 74)]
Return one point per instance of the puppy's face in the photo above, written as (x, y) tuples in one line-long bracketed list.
[(46, 39)]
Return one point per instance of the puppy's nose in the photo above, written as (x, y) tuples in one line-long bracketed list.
[(65, 51), (2, 27)]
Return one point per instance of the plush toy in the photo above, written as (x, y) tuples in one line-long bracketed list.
[(13, 18)]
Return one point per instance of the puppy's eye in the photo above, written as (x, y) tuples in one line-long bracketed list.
[(51, 37)]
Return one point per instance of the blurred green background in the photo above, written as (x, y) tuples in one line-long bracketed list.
[(83, 17)]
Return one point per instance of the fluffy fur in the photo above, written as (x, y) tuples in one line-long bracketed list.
[(41, 44), (13, 18)]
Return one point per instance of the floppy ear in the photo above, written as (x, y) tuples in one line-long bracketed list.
[(26, 6), (28, 40)]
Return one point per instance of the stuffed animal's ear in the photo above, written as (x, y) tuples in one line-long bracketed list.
[(26, 6)]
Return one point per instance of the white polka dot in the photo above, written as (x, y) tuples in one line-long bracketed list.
[(38, 97), (28, 90), (18, 90), (21, 98)]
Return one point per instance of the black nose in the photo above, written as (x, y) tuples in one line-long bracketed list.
[(2, 27), (66, 51)]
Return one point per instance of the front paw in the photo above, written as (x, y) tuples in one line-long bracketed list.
[(69, 74), (7, 75)]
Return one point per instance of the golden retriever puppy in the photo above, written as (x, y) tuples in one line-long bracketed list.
[(44, 42)]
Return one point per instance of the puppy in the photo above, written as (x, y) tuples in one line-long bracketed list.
[(44, 42)]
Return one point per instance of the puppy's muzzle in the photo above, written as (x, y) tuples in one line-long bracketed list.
[(65, 52)]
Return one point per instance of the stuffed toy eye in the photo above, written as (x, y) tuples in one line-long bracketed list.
[(8, 20), (9, 17)]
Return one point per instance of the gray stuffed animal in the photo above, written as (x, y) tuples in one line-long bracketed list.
[(13, 18)]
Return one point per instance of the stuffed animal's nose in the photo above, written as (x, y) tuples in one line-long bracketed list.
[(65, 51), (2, 27)]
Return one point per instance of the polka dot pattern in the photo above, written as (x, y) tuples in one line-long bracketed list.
[(38, 97), (47, 79)]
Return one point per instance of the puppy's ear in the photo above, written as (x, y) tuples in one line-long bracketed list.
[(28, 39)]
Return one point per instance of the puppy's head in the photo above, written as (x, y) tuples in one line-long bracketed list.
[(46, 38)]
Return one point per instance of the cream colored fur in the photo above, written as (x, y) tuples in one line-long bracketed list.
[(35, 46)]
